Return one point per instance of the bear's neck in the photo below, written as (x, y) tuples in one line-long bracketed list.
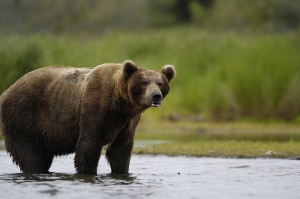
[(124, 107)]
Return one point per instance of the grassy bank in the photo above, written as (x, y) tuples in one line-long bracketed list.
[(239, 140), (228, 149), (221, 75)]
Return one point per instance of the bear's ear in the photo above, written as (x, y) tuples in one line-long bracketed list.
[(129, 68), (169, 71)]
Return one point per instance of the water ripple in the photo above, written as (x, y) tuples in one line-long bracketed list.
[(158, 177)]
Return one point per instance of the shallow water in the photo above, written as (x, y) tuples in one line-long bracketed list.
[(158, 177)]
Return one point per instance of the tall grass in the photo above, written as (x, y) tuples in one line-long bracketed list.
[(219, 75), (17, 57), (257, 80)]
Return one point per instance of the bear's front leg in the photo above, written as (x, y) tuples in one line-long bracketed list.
[(87, 155), (118, 153)]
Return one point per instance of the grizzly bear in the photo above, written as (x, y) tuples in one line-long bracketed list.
[(58, 110)]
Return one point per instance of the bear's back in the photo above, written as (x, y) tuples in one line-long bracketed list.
[(46, 100)]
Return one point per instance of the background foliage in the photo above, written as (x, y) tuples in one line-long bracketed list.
[(235, 59), (97, 16)]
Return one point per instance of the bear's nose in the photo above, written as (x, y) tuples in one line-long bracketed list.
[(156, 97)]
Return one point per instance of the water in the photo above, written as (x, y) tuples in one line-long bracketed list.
[(158, 177)]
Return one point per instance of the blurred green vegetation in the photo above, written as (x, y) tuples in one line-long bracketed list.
[(98, 16), (221, 75), (235, 59), (221, 131)]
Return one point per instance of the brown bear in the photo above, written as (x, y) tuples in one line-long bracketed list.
[(59, 110)]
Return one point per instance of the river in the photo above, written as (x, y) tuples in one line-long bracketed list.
[(157, 177)]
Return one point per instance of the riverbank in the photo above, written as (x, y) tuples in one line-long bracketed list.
[(225, 149), (234, 140)]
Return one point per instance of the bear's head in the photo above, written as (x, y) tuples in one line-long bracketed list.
[(147, 88)]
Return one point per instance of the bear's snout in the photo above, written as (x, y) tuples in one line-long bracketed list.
[(156, 99)]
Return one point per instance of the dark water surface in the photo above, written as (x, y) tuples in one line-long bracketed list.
[(158, 177)]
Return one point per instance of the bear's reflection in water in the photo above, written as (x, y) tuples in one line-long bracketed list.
[(42, 179)]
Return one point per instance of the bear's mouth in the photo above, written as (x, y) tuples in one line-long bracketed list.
[(155, 104)]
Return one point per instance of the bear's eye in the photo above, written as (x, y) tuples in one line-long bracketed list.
[(145, 83), (159, 84)]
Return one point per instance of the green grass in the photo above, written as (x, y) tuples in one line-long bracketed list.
[(238, 140), (232, 149), (220, 75)]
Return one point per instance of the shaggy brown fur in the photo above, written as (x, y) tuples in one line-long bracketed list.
[(59, 110)]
